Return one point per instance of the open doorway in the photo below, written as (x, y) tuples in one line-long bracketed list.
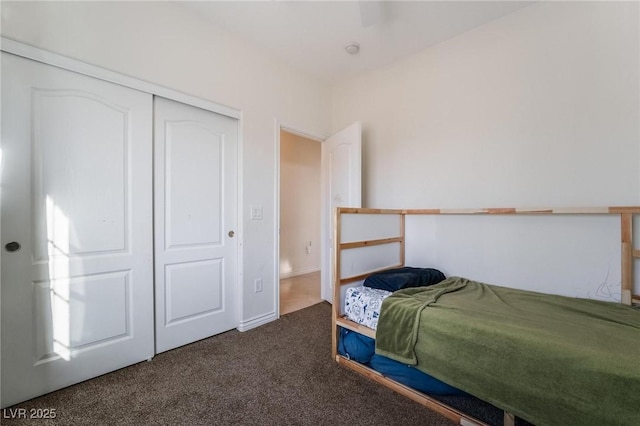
[(300, 221)]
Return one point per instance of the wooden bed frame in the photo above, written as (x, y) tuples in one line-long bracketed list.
[(341, 278)]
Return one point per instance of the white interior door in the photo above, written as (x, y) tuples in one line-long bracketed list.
[(195, 223), (341, 187), (77, 274)]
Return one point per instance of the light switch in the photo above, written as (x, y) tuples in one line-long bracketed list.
[(256, 213)]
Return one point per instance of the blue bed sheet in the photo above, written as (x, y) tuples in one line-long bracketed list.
[(361, 349)]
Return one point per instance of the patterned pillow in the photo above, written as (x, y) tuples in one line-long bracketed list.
[(362, 305)]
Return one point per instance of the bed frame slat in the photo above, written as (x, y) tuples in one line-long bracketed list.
[(356, 244), (420, 398), (527, 211), (354, 326)]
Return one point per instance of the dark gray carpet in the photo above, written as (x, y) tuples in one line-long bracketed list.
[(278, 374)]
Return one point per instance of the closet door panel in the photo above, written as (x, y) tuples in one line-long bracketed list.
[(195, 223), (75, 134), (193, 192), (77, 296)]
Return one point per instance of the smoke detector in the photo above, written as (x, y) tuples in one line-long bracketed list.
[(352, 47)]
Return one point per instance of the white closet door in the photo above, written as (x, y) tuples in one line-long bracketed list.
[(195, 223), (77, 296)]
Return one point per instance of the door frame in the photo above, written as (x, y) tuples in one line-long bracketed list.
[(64, 62), (74, 65), (280, 126)]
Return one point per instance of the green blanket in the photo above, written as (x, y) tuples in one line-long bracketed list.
[(551, 360)]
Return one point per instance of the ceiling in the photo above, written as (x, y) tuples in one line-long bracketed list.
[(311, 35)]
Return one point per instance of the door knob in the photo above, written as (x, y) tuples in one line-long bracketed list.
[(231, 234), (12, 246)]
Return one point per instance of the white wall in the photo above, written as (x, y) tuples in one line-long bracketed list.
[(577, 256), (299, 205), (538, 108), (163, 43)]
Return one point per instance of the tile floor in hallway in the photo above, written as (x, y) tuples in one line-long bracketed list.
[(299, 292)]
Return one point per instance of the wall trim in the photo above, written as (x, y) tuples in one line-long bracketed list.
[(257, 321), (306, 135), (296, 272), (240, 223), (64, 62)]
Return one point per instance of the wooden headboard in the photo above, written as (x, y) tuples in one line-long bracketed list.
[(376, 239)]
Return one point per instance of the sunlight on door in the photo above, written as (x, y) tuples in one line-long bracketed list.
[(59, 292)]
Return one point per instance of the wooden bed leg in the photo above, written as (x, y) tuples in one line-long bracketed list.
[(335, 279), (334, 340), (509, 419), (626, 232)]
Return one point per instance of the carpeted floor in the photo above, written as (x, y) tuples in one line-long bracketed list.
[(278, 374)]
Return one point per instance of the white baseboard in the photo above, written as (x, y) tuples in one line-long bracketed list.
[(257, 321), (295, 273)]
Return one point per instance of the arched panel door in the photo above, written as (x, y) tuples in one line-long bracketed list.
[(196, 246), (77, 256)]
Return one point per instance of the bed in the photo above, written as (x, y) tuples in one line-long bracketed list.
[(444, 330)]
